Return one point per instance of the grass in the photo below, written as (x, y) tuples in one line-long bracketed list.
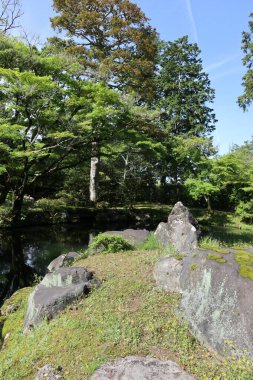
[(128, 315)]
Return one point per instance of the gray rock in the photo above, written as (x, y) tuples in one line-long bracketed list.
[(49, 373), (63, 261), (55, 292), (167, 274), (217, 302), (181, 230), (140, 368), (133, 236)]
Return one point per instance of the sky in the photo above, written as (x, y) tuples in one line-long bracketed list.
[(215, 25)]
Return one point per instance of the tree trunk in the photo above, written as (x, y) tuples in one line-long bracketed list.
[(208, 202), (94, 170), (17, 207)]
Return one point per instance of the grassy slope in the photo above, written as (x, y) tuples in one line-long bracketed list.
[(128, 315)]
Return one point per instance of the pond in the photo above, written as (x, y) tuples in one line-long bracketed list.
[(26, 253)]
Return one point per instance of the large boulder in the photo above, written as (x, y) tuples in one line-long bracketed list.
[(55, 292), (167, 273), (140, 368), (63, 261), (133, 236), (181, 230), (217, 298)]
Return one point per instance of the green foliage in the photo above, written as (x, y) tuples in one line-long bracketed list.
[(50, 205), (150, 243), (246, 99), (245, 211), (208, 242), (105, 243)]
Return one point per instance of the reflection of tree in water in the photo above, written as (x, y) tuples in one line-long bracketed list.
[(28, 251), (15, 274)]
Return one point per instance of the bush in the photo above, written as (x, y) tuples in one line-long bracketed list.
[(245, 211), (50, 204), (104, 243)]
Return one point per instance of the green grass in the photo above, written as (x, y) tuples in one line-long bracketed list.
[(128, 315)]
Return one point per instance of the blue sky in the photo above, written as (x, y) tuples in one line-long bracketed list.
[(216, 25)]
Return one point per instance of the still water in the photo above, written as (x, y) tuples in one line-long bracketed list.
[(25, 253)]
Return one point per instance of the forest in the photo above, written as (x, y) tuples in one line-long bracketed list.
[(107, 114)]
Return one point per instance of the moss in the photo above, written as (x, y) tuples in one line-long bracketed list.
[(213, 256), (222, 250), (243, 257), (221, 260), (246, 271), (194, 266)]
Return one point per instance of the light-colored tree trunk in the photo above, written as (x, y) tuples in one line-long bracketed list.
[(94, 164)]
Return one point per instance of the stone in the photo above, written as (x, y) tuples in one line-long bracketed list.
[(217, 301), (167, 274), (133, 236), (181, 230), (55, 292), (140, 368), (49, 373), (63, 261)]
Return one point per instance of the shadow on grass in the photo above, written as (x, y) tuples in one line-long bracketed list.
[(229, 236)]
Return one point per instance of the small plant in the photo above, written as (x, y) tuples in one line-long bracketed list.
[(105, 243), (209, 242), (194, 266), (171, 251), (150, 243)]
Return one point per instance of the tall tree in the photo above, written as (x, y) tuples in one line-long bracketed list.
[(115, 43), (113, 38), (47, 116), (246, 99), (184, 96)]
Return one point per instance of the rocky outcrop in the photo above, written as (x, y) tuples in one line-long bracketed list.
[(49, 373), (181, 230), (217, 299), (55, 292), (133, 236), (167, 273), (140, 368), (63, 261)]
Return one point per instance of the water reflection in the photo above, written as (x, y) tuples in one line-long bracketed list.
[(24, 253)]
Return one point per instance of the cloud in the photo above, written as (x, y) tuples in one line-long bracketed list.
[(193, 23), (221, 63)]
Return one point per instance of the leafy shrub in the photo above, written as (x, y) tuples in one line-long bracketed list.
[(245, 211), (5, 216), (47, 204), (105, 243)]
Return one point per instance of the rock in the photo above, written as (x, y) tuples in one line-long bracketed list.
[(217, 301), (167, 274), (133, 236), (55, 292), (181, 230), (63, 261), (49, 373), (140, 368)]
